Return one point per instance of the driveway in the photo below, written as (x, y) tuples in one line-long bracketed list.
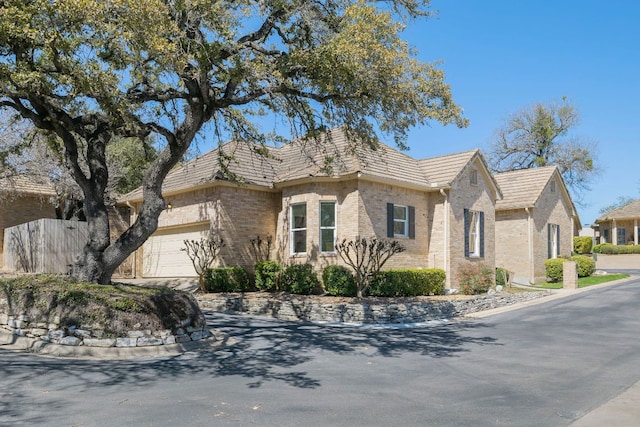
[(544, 365)]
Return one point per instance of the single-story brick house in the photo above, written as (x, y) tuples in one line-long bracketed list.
[(309, 196), (620, 226), (25, 198), (535, 220)]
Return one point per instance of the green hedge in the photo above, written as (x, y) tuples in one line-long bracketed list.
[(267, 275), (582, 244), (300, 279), (586, 265), (227, 279), (553, 268), (609, 249), (408, 282), (338, 280)]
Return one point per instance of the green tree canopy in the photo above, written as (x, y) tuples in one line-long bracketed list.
[(88, 71), (539, 135)]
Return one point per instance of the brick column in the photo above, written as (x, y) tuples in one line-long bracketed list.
[(570, 275)]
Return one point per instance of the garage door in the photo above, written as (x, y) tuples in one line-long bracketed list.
[(162, 254)]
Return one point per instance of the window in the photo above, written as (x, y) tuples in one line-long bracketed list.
[(553, 186), (473, 179), (622, 236), (401, 221), (299, 228), (327, 226), (554, 240), (474, 233)]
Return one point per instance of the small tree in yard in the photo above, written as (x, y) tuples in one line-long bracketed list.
[(202, 254), (366, 257)]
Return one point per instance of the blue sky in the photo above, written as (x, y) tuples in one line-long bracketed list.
[(502, 55)]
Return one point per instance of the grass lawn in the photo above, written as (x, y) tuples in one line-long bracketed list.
[(583, 282)]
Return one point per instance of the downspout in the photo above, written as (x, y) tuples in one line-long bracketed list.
[(532, 269), (445, 253)]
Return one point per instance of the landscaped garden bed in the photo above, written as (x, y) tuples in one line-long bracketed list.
[(57, 310)]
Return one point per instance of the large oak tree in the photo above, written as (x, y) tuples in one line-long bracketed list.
[(88, 71)]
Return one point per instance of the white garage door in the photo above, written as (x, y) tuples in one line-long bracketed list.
[(162, 254)]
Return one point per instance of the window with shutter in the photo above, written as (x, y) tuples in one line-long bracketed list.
[(401, 221)]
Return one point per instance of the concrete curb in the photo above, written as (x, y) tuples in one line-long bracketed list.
[(623, 410)]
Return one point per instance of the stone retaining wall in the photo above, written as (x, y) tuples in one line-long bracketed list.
[(52, 332), (313, 309)]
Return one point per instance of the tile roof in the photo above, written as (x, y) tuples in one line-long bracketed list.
[(241, 160), (330, 156), (443, 170), (522, 188), (303, 159), (632, 210), (27, 184)]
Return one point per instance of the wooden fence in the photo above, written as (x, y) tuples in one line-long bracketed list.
[(44, 245)]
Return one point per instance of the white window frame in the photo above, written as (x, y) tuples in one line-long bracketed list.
[(333, 227), (554, 237), (404, 221), (474, 234), (294, 230)]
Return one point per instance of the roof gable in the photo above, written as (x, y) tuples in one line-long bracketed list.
[(523, 188)]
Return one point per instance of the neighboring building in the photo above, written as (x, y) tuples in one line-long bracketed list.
[(620, 226), (535, 220), (309, 196), (24, 199)]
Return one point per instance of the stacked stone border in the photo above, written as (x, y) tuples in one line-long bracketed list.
[(24, 326), (365, 311)]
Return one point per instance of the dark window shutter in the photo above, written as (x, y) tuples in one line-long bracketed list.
[(482, 234), (466, 232), (558, 239), (389, 219), (549, 241), (412, 222)]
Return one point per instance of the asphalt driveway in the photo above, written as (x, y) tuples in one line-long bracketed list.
[(544, 365)]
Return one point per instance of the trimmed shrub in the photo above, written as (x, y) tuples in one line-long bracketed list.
[(267, 275), (227, 279), (553, 269), (475, 278), (585, 265), (609, 249), (408, 282), (501, 275), (299, 279), (582, 244), (338, 280)]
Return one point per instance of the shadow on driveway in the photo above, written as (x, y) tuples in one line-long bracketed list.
[(260, 350)]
